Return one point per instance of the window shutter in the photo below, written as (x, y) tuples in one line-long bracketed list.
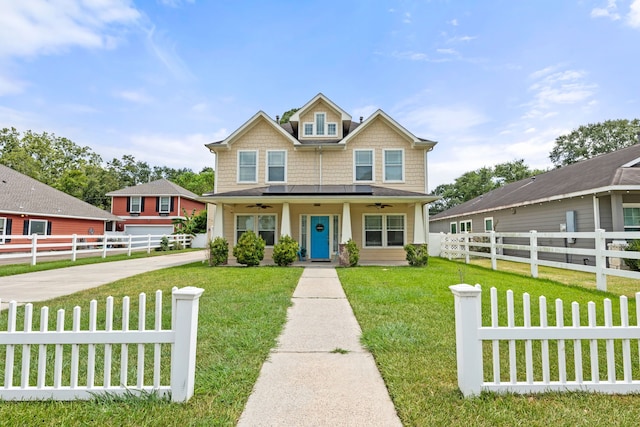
[(49, 223), (171, 208), (157, 204), (141, 204), (25, 227), (7, 229), (128, 204)]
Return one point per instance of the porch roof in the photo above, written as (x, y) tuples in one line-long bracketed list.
[(315, 193)]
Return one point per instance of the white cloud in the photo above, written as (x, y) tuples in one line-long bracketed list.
[(138, 97), (407, 18), (9, 86), (454, 22), (610, 11), (433, 122), (461, 39), (553, 87), (175, 3), (36, 27), (165, 51), (364, 112), (411, 56), (633, 18)]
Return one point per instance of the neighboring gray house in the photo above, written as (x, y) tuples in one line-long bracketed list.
[(599, 193)]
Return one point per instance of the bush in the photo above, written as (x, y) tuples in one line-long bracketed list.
[(164, 243), (250, 249), (218, 251), (285, 251), (354, 253), (417, 255), (633, 264)]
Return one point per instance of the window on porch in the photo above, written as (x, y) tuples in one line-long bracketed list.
[(384, 230), (266, 227)]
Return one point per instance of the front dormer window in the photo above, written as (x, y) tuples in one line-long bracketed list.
[(320, 127)]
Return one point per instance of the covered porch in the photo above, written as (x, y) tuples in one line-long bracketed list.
[(322, 219)]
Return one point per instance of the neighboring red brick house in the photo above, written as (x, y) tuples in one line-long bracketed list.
[(151, 208), (27, 207)]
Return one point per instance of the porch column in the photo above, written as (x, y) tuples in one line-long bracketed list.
[(418, 225), (285, 226), (346, 223), (218, 222)]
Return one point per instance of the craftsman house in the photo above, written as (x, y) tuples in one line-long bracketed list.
[(151, 208), (28, 206), (323, 179)]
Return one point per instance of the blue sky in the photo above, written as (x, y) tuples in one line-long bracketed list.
[(492, 81)]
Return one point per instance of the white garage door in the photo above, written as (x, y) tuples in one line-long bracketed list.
[(144, 230)]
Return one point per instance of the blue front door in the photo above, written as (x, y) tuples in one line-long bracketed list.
[(319, 237)]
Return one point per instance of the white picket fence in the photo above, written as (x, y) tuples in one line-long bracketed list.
[(102, 353), (550, 345), (36, 246), (467, 245)]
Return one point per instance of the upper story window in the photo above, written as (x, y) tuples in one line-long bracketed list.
[(164, 204), (276, 166), (247, 166), (363, 165), (320, 126), (393, 165), (135, 204)]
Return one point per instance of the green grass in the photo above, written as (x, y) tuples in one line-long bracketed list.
[(242, 311), (407, 319), (26, 267)]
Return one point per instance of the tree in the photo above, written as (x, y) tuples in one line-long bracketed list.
[(287, 115), (475, 183), (593, 139)]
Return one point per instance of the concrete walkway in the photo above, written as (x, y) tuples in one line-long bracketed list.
[(306, 382), (44, 285)]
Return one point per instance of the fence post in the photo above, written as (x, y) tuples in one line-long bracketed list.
[(468, 346), (148, 243), (74, 247), (494, 259), (34, 249), (601, 260), (183, 352), (105, 239), (533, 257), (466, 247), (130, 241)]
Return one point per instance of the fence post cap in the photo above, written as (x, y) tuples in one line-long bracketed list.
[(464, 290), (188, 292)]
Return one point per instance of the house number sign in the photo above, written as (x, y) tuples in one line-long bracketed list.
[(320, 228)]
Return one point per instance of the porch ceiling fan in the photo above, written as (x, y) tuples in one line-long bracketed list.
[(380, 205), (259, 205)]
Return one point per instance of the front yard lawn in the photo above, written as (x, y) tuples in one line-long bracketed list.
[(242, 312), (407, 318)]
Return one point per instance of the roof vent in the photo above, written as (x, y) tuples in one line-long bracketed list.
[(363, 118)]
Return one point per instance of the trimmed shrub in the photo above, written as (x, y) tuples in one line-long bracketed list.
[(250, 249), (164, 244), (354, 253), (218, 252), (633, 264), (285, 251), (417, 255)]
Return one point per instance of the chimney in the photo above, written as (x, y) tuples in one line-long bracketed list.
[(277, 119), (361, 119)]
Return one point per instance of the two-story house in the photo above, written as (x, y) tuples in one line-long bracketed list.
[(151, 208), (323, 179)]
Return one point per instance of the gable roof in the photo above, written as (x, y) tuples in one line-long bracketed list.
[(607, 172), (344, 116), (290, 130), (160, 187), (21, 194)]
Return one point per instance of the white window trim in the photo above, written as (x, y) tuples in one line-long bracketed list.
[(131, 204), (336, 125), (384, 231), (168, 204), (266, 173), (315, 124), (469, 226), (373, 165), (4, 230), (46, 223), (255, 181), (384, 166), (314, 127), (628, 206), (456, 226), (304, 129), (255, 221), (485, 223)]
